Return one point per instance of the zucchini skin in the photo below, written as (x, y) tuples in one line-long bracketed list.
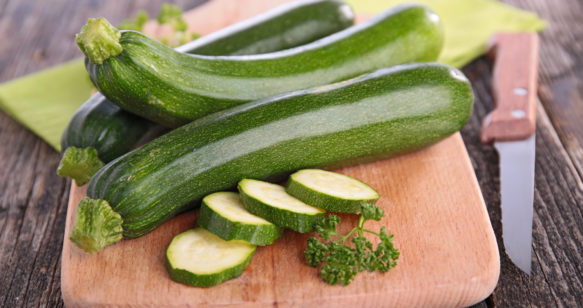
[(172, 88), (382, 114), (102, 125), (112, 131), (286, 26)]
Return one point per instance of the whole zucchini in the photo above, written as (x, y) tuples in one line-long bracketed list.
[(286, 26), (172, 88), (112, 131), (388, 112)]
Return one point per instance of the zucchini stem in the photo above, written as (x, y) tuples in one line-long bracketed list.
[(96, 225), (80, 164), (99, 40)]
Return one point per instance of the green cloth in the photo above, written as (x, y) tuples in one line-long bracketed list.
[(44, 102), (468, 24)]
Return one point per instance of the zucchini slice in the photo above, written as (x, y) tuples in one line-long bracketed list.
[(330, 190), (271, 202), (223, 214), (199, 258)]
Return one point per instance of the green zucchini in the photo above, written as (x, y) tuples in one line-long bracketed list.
[(112, 131), (104, 130), (286, 26), (271, 202), (199, 258), (172, 88), (223, 214), (330, 190), (382, 114)]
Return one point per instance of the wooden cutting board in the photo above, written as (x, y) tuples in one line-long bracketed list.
[(433, 205)]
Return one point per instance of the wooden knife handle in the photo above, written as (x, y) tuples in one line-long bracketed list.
[(514, 87)]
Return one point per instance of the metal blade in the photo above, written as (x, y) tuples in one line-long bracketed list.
[(517, 195)]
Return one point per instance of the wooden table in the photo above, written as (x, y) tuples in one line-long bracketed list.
[(33, 198)]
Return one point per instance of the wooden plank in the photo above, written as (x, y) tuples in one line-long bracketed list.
[(449, 255)]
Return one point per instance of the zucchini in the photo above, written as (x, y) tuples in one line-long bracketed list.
[(199, 258), (271, 202), (330, 190), (112, 131), (223, 214), (103, 129), (172, 88), (286, 26), (382, 114)]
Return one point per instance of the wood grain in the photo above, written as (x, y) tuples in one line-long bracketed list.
[(449, 256), (514, 87), (32, 221)]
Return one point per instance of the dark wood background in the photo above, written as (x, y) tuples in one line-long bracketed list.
[(33, 199)]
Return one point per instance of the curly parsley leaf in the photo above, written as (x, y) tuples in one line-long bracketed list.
[(339, 263)]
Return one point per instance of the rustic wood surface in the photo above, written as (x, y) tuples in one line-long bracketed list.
[(38, 34)]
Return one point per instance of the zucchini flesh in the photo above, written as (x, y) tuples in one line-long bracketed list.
[(112, 131), (386, 113), (330, 191), (223, 214), (173, 88), (199, 258), (271, 202)]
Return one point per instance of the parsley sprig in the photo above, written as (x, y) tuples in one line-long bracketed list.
[(339, 262)]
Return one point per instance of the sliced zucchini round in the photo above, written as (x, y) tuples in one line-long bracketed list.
[(223, 214), (271, 202), (331, 191), (199, 258)]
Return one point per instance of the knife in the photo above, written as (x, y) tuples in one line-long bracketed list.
[(511, 127)]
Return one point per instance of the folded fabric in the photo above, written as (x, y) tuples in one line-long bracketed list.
[(44, 102)]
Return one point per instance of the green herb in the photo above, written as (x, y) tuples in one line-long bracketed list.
[(137, 23), (340, 262), (170, 15)]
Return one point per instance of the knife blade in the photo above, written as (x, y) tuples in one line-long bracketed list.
[(511, 127)]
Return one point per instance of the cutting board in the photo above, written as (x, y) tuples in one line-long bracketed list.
[(433, 205)]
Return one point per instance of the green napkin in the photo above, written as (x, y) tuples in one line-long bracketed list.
[(44, 102), (468, 24)]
